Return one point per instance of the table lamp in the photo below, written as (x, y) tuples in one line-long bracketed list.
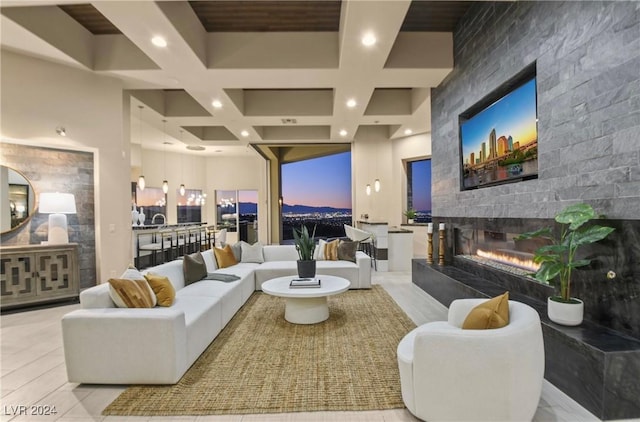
[(57, 205)]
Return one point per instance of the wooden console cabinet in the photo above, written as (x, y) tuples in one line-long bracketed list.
[(33, 274)]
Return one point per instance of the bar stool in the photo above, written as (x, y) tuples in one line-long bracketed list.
[(167, 245), (211, 233), (194, 239), (153, 247), (181, 241), (366, 240)]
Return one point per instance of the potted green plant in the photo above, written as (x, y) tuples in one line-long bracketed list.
[(558, 259), (305, 245), (410, 214)]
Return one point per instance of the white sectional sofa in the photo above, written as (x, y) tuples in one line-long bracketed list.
[(104, 344)]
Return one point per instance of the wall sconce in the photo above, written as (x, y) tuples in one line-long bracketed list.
[(376, 185), (61, 131), (182, 189), (280, 201), (368, 189), (57, 205)]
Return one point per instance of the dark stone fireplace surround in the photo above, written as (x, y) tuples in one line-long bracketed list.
[(597, 363)]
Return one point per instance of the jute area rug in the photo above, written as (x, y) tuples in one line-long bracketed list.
[(261, 363)]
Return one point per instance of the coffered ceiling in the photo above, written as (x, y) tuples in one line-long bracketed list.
[(282, 71)]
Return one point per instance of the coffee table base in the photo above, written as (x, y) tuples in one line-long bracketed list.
[(310, 310)]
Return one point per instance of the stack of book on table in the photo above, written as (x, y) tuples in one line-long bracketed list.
[(304, 282)]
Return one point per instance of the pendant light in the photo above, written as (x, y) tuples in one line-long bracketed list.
[(165, 183), (141, 181), (182, 188)]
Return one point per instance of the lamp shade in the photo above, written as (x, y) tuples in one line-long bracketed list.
[(57, 203)]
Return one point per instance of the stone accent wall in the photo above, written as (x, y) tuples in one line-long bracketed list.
[(55, 170), (588, 56)]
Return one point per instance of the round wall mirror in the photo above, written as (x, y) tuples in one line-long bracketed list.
[(17, 199)]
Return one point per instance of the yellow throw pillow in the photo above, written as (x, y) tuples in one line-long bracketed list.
[(127, 293), (494, 313), (331, 250), (162, 287), (225, 257)]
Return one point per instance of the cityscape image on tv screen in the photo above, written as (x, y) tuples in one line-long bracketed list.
[(500, 143)]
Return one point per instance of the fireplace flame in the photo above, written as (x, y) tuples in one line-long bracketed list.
[(524, 263)]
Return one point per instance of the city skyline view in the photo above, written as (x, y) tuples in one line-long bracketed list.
[(506, 125)]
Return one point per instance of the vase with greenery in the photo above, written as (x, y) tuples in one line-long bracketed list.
[(305, 245), (558, 258), (410, 214)]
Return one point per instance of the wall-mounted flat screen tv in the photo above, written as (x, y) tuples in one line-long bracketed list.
[(499, 135)]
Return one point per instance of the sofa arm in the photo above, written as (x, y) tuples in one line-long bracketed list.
[(364, 270), (96, 297), (125, 346)]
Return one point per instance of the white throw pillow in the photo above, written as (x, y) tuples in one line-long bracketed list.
[(318, 254), (132, 273), (252, 253)]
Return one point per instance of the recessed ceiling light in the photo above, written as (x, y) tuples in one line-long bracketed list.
[(368, 39), (218, 150), (343, 132), (408, 131), (159, 41), (351, 103), (244, 133), (195, 148), (216, 104)]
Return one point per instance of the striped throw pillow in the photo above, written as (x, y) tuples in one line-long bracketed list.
[(127, 293)]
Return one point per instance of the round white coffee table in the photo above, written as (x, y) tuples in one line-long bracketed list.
[(306, 305)]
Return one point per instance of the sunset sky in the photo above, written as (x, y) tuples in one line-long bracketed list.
[(318, 182), (422, 185), (514, 114)]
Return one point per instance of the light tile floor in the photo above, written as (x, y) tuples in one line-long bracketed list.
[(32, 372)]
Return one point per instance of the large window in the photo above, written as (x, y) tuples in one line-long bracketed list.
[(150, 201), (419, 189), (237, 211), (190, 205), (317, 192)]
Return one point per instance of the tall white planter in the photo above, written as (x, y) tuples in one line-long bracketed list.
[(570, 314)]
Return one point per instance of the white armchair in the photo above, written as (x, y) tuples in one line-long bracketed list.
[(447, 373)]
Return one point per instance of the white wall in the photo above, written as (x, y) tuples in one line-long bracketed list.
[(38, 96), (371, 159)]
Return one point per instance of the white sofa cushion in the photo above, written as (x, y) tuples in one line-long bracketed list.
[(172, 270), (229, 293), (210, 260), (280, 253)]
